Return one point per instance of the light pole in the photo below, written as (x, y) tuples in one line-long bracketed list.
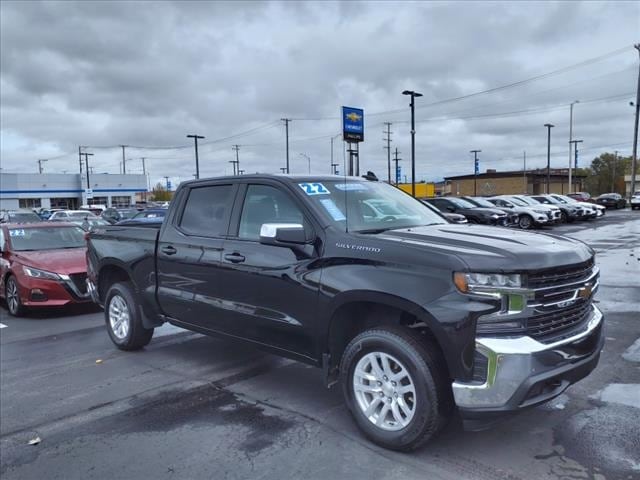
[(413, 138), (308, 160), (195, 141), (549, 127), (475, 171), (283, 169), (634, 157), (334, 168), (570, 140)]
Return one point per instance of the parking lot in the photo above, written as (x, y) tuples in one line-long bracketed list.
[(189, 406)]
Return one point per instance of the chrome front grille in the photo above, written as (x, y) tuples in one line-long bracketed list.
[(558, 304)]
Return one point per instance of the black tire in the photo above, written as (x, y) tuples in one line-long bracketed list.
[(420, 357), (120, 299), (12, 297), (473, 221), (525, 222), (564, 218)]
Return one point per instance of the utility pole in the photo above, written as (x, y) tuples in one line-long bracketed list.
[(396, 159), (40, 164), (575, 155), (236, 162), (86, 161), (549, 127), (571, 138), (195, 142), (146, 183), (524, 171), (124, 162), (475, 171), (286, 129), (413, 138), (613, 177), (634, 157), (388, 149), (80, 158), (283, 169)]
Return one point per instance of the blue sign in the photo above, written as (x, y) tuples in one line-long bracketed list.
[(477, 166), (352, 124), (169, 185), (576, 161), (398, 173)]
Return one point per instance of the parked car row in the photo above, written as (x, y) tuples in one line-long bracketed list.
[(524, 211)]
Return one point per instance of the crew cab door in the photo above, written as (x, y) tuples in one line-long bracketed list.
[(189, 255), (271, 291)]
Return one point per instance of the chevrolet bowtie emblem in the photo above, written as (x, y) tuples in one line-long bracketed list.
[(353, 116)]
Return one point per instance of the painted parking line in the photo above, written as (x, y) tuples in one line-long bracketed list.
[(2, 325)]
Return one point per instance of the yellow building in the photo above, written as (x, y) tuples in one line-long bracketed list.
[(423, 190)]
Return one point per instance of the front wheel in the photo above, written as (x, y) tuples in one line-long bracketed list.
[(395, 386), (123, 318), (525, 222), (12, 296)]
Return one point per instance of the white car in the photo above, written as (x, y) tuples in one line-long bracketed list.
[(528, 217), (635, 201), (556, 213), (590, 210), (72, 215)]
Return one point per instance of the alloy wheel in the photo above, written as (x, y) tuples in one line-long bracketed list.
[(13, 299), (384, 391), (119, 317)]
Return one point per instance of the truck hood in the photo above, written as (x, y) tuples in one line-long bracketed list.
[(64, 261), (493, 249)]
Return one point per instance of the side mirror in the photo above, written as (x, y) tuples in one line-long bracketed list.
[(451, 209), (282, 234)]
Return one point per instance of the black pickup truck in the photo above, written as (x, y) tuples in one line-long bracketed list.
[(415, 317)]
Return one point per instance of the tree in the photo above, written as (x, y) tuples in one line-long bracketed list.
[(606, 174), (160, 193)]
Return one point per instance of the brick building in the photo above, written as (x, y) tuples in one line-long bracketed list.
[(493, 182)]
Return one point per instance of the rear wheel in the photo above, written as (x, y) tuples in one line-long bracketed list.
[(564, 217), (394, 384), (12, 296), (525, 222), (123, 318)]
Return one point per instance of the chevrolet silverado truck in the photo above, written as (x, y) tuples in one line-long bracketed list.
[(417, 319)]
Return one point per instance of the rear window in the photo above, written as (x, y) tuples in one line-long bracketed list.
[(206, 212)]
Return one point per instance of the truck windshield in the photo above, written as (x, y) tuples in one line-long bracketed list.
[(48, 238), (368, 207)]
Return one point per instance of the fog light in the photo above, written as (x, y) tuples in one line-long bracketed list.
[(38, 295)]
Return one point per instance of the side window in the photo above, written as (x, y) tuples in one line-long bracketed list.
[(265, 204), (207, 209), (440, 205)]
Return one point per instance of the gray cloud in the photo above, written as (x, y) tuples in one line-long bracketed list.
[(148, 73)]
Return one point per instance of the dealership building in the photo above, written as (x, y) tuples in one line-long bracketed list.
[(58, 190)]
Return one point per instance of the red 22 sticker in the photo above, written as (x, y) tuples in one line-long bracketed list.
[(314, 189)]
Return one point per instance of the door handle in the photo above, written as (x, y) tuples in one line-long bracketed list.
[(169, 250), (234, 257)]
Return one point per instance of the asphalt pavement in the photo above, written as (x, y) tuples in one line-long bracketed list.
[(189, 406)]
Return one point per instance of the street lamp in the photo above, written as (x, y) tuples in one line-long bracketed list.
[(332, 139), (308, 160), (549, 127), (571, 139), (413, 138)]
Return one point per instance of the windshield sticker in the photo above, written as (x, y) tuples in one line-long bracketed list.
[(314, 189), (16, 233), (333, 210), (351, 187)]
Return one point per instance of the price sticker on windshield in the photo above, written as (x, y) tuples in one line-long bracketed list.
[(314, 189), (18, 232)]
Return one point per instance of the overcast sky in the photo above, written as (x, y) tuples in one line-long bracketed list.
[(149, 73)]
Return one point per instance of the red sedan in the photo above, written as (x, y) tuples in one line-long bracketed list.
[(42, 265)]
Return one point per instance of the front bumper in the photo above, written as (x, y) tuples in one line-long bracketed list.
[(36, 292), (523, 372)]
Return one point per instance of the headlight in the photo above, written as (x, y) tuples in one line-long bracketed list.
[(468, 282), (495, 215), (543, 212), (35, 273)]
